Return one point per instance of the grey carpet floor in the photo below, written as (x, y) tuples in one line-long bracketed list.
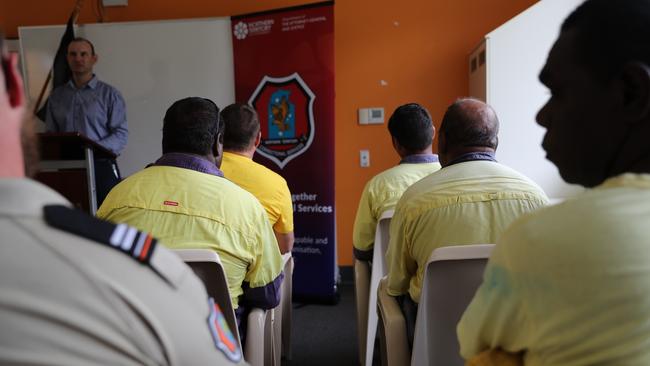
[(325, 334)]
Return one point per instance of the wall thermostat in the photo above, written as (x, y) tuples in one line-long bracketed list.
[(371, 116)]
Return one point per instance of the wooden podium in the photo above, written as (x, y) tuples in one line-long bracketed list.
[(68, 166)]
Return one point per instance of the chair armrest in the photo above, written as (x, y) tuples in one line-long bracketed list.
[(255, 331)]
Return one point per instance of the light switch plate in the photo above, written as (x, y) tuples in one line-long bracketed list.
[(364, 158)]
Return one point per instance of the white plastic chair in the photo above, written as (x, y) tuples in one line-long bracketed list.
[(452, 276), (367, 317), (259, 331), (361, 294), (207, 266), (392, 329), (282, 315), (258, 350)]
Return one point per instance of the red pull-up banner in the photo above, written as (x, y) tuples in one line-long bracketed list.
[(284, 68)]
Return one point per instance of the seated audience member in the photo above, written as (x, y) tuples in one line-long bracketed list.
[(412, 134), (68, 295), (471, 200), (570, 284), (184, 200), (240, 141)]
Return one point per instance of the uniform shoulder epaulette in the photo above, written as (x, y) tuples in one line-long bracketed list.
[(136, 244)]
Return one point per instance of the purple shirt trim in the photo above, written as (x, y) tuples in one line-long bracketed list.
[(474, 156), (420, 159), (189, 161), (265, 297)]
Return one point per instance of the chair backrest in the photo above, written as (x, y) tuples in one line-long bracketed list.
[(378, 271), (382, 238), (451, 278), (207, 266)]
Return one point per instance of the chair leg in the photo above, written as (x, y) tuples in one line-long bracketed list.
[(361, 292)]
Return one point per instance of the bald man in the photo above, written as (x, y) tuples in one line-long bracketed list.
[(471, 200)]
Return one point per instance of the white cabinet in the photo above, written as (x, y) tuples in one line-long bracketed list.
[(503, 71)]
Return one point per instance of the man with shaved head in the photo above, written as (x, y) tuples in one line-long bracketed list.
[(471, 200)]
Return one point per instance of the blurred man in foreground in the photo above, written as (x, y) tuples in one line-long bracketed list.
[(570, 284)]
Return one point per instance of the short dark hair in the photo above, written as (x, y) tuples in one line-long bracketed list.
[(191, 125), (242, 126), (410, 124), (470, 127), (82, 39), (611, 33)]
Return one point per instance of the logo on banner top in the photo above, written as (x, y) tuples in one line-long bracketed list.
[(285, 108), (241, 30)]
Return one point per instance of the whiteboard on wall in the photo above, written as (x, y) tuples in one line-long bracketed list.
[(153, 64), (516, 53)]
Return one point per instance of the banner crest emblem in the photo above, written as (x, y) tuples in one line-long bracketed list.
[(285, 107)]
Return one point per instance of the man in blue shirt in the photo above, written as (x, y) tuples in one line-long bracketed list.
[(97, 110)]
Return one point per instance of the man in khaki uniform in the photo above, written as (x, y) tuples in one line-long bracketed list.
[(77, 290)]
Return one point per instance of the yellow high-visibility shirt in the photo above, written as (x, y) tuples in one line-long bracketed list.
[(265, 184), (187, 209), (381, 194), (466, 203), (570, 284)]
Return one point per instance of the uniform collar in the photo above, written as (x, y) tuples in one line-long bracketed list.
[(419, 159), (189, 161), (474, 156), (25, 197)]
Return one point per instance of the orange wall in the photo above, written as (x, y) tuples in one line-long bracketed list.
[(418, 48)]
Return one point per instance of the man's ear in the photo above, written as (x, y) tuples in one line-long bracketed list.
[(258, 139), (217, 147), (14, 82), (635, 81)]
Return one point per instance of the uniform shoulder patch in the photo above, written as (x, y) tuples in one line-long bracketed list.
[(223, 338), (137, 244)]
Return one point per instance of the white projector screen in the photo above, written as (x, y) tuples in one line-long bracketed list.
[(153, 64)]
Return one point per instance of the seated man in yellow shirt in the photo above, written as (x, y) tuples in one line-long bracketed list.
[(412, 132), (471, 200), (240, 141), (184, 200), (570, 284)]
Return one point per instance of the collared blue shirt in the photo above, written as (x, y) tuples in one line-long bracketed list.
[(189, 161), (96, 109)]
